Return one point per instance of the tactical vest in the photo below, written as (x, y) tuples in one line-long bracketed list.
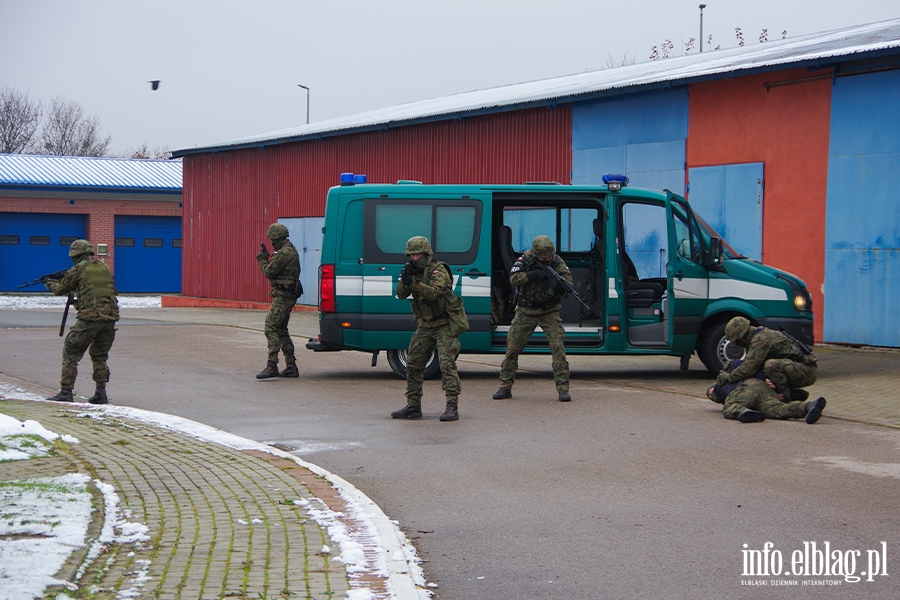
[(538, 294), (430, 311)]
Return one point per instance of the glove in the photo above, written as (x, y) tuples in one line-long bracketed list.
[(406, 275), (557, 288), (537, 275), (262, 256)]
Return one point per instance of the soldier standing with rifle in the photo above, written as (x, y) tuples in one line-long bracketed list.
[(540, 295), (283, 272), (92, 290)]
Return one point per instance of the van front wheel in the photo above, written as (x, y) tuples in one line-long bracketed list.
[(397, 360), (715, 350)]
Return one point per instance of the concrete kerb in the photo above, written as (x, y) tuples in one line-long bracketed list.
[(394, 557)]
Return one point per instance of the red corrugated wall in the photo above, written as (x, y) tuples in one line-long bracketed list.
[(230, 198), (787, 128)]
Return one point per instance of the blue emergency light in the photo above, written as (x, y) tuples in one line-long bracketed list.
[(615, 182), (352, 179)]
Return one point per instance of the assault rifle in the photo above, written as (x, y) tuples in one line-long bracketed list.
[(562, 283), (54, 277), (44, 279)]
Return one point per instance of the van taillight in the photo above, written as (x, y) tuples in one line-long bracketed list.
[(327, 303)]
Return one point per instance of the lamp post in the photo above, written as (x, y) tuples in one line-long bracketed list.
[(702, 6), (307, 99)]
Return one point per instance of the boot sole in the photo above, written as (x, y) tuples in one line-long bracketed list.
[(815, 413)]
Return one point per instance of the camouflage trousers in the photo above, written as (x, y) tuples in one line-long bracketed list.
[(421, 346), (786, 373), (522, 327), (276, 330), (96, 335), (755, 394)]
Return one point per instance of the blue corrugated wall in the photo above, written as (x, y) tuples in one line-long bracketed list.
[(862, 228), (640, 135)]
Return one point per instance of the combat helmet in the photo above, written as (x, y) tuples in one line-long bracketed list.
[(277, 231), (542, 247), (737, 328), (79, 248), (418, 245)]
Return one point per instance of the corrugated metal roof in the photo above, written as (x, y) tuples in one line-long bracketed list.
[(25, 170), (823, 48)]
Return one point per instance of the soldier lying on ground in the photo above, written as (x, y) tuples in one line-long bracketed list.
[(752, 400)]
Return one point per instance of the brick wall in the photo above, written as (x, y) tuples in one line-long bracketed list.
[(100, 213)]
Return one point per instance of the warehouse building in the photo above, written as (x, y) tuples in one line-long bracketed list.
[(788, 148), (130, 210)]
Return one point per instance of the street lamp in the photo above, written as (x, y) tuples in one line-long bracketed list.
[(702, 6), (307, 98)]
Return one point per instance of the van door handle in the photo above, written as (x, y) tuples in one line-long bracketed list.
[(475, 273), (679, 275)]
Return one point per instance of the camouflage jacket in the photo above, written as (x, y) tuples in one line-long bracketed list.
[(427, 294), (94, 287), (765, 344), (537, 297), (282, 270)]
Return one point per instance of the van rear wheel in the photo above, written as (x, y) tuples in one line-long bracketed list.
[(397, 360), (715, 350)]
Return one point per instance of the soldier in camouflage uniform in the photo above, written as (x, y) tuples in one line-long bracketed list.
[(788, 364), (283, 271), (428, 282), (538, 305), (753, 399), (91, 283)]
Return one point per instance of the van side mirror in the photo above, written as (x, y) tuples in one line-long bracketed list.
[(714, 258)]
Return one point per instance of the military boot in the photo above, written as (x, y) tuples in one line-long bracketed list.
[(269, 372), (752, 416), (799, 394), (62, 396), (814, 410), (408, 412), (502, 393), (99, 397), (451, 413), (290, 370), (564, 396)]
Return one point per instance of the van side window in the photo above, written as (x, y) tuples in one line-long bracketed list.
[(644, 240), (687, 240), (452, 227), (351, 241)]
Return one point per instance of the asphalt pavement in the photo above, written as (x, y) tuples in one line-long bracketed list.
[(227, 521)]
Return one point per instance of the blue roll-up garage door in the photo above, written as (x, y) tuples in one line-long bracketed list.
[(33, 244), (148, 254)]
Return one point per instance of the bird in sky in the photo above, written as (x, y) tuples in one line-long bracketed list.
[(154, 84)]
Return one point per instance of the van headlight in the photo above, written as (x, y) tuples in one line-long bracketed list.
[(802, 297)]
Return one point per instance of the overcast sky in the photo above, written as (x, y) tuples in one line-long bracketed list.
[(230, 69)]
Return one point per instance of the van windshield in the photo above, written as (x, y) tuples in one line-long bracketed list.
[(707, 232)]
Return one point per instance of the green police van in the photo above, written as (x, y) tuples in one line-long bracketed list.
[(654, 278)]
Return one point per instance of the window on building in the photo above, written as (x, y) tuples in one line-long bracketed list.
[(66, 240), (9, 240), (153, 243), (39, 240), (124, 242), (176, 242)]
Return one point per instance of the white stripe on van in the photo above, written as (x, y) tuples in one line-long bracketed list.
[(612, 288), (386, 285), (348, 285), (690, 288), (732, 288)]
